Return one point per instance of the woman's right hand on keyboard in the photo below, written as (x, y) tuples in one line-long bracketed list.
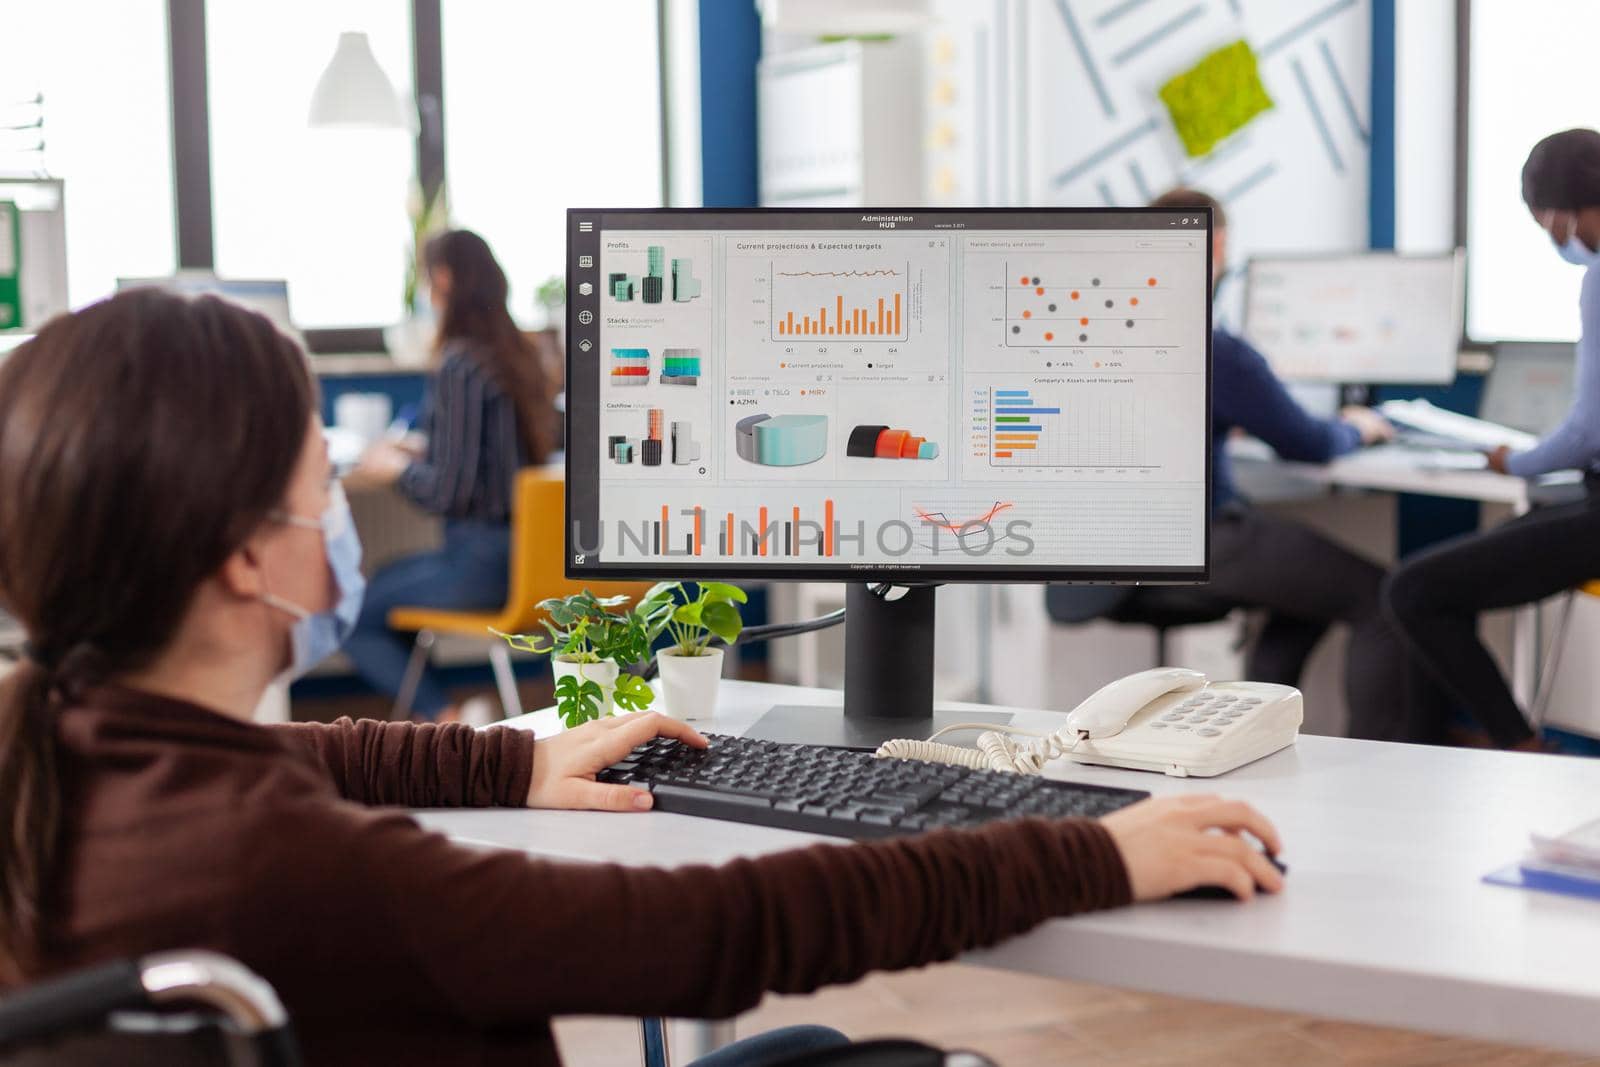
[(1173, 844)]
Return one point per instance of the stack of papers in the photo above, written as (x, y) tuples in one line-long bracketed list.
[(1567, 864), (1477, 433)]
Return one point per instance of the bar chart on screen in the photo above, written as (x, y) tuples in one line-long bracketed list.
[(857, 303), (1101, 427)]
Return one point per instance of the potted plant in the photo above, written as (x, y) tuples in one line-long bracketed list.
[(589, 647), (551, 296), (691, 668)]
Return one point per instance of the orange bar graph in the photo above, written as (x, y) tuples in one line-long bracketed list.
[(699, 530), (795, 541), (879, 317), (1002, 455), (665, 543), (827, 527), (761, 542), (732, 543)]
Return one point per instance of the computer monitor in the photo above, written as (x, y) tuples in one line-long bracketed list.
[(267, 296), (887, 396), (1361, 318), (1530, 386)]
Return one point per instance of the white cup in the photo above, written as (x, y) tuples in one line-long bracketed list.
[(364, 414)]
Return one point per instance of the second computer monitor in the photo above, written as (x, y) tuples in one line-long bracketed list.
[(1367, 317), (883, 395)]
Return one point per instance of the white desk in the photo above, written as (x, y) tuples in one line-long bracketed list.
[(1396, 470), (1384, 920)]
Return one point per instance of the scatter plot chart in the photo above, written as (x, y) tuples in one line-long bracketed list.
[(1068, 301)]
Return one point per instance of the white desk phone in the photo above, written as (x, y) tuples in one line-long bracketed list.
[(1168, 720)]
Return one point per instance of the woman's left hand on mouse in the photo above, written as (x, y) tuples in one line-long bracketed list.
[(564, 766)]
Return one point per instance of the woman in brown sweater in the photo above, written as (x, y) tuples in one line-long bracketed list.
[(162, 483)]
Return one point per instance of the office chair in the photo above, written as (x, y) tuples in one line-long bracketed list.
[(111, 1013), (538, 572), (1163, 608)]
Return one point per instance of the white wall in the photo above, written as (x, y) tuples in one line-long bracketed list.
[(1425, 117)]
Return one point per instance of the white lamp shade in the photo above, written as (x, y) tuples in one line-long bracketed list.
[(354, 91)]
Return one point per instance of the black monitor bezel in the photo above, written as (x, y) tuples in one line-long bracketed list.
[(697, 567)]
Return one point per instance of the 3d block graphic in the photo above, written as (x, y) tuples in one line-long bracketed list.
[(1215, 98), (655, 277), (621, 286), (685, 286), (680, 366), (685, 449), (630, 366), (883, 442), (782, 440), (650, 447)]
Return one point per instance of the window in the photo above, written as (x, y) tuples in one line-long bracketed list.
[(534, 125), (1531, 75), (101, 66), (323, 208)]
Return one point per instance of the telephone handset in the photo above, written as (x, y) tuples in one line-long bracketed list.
[(1168, 719)]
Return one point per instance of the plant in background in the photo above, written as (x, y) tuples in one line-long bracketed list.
[(551, 296), (429, 215), (582, 630), (693, 621)]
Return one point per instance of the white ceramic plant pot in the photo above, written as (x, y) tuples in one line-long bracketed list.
[(603, 674), (689, 683)]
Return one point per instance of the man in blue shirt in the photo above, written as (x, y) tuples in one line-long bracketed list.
[(1436, 596), (1302, 581)]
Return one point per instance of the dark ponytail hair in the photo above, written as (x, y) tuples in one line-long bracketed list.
[(475, 311), (142, 440), (1563, 172)]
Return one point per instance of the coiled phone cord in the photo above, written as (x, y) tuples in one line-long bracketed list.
[(995, 751)]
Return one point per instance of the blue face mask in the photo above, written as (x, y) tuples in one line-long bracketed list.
[(318, 635), (1574, 251)]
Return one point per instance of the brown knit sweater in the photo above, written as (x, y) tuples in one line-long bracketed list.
[(281, 846)]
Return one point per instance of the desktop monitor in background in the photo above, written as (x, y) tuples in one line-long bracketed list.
[(1530, 386), (1362, 318), (268, 296), (895, 397)]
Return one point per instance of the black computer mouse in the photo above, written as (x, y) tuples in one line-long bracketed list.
[(1217, 892)]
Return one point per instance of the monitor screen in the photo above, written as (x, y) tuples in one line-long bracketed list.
[(1530, 386), (912, 395), (1368, 317)]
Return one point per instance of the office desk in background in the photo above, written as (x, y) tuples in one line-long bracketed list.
[(1385, 920), (1399, 470)]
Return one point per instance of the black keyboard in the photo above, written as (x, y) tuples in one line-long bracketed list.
[(842, 792)]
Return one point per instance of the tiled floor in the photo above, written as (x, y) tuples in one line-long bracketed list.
[(1019, 1020)]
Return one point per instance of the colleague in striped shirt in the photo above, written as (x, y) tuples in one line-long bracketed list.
[(489, 411)]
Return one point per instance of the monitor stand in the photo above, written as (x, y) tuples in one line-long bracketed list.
[(888, 680)]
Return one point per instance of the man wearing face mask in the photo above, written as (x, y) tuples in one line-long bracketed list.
[(1302, 581), (1436, 596)]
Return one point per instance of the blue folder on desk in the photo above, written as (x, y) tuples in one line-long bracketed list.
[(1518, 876)]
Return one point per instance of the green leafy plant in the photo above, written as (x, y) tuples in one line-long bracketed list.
[(583, 628), (552, 294), (693, 621), (578, 700), (429, 215)]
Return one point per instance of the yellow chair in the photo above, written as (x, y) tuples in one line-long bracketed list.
[(537, 573)]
